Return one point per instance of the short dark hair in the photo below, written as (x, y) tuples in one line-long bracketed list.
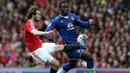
[(62, 2), (32, 11)]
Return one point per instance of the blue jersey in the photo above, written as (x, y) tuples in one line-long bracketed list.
[(66, 26)]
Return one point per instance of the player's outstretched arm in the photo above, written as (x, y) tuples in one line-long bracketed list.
[(38, 33), (52, 25), (84, 24)]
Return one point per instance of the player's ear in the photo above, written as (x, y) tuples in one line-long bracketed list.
[(33, 16)]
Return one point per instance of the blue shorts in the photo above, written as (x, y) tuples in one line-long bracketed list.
[(74, 54)]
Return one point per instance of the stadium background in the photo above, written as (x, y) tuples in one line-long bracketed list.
[(109, 41)]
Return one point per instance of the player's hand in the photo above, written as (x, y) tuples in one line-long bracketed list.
[(91, 21), (50, 34)]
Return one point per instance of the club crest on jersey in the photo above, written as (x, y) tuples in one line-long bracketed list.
[(70, 26)]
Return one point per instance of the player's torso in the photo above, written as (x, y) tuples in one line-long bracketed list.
[(30, 38), (66, 28), (33, 42)]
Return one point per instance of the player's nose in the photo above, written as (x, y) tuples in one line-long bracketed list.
[(66, 9)]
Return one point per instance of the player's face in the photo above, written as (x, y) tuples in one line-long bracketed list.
[(38, 15), (64, 9)]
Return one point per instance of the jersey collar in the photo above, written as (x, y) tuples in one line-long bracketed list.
[(66, 17)]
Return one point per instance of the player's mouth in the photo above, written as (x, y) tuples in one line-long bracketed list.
[(65, 10)]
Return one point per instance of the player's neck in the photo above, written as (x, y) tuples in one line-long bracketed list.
[(64, 15), (33, 20)]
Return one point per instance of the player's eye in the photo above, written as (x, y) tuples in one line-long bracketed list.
[(65, 6), (39, 14)]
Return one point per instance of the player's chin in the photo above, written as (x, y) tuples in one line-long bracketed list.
[(65, 13), (37, 20)]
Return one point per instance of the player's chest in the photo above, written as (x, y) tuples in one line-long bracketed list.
[(66, 24)]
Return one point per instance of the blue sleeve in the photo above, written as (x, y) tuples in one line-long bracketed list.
[(81, 23), (51, 26)]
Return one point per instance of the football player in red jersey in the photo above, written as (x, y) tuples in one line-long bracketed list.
[(41, 51)]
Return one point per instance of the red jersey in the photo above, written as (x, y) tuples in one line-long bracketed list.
[(33, 42)]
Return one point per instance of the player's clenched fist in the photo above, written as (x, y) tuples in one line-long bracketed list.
[(91, 21), (50, 32)]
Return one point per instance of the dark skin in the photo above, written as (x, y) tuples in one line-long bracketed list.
[(64, 10)]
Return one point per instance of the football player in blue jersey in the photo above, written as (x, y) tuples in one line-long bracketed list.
[(65, 24)]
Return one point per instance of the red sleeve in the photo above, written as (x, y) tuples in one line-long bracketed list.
[(29, 27)]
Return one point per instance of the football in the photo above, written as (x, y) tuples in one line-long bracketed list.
[(82, 39)]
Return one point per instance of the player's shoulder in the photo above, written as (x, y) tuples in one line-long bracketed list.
[(56, 19), (27, 23), (72, 15)]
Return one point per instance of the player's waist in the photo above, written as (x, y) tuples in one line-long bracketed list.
[(70, 42), (33, 47)]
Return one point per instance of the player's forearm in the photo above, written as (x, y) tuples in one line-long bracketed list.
[(82, 23), (38, 33), (49, 28)]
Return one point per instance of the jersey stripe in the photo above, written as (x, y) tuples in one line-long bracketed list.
[(38, 58)]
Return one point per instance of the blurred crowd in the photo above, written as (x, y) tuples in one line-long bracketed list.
[(109, 38)]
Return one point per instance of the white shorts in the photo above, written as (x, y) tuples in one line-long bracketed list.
[(43, 54)]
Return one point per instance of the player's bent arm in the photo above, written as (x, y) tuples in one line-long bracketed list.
[(38, 33), (52, 25)]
